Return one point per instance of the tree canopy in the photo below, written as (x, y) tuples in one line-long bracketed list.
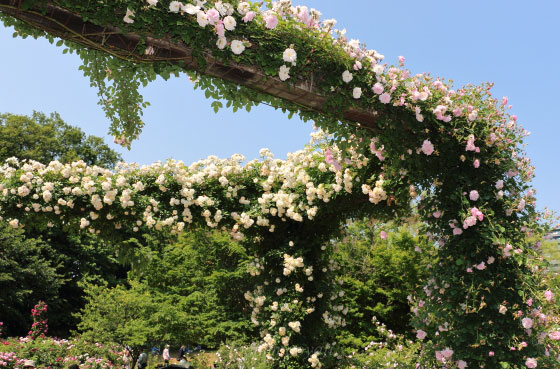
[(45, 138)]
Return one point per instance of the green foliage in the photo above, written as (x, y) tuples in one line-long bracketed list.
[(119, 315), (44, 139), (203, 275), (378, 276), (387, 351), (27, 274), (72, 258)]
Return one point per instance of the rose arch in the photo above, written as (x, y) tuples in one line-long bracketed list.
[(389, 144)]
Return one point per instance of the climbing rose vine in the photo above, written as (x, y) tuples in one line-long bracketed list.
[(40, 326), (452, 156)]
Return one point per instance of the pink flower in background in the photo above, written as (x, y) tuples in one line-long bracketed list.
[(447, 353), (491, 353), (383, 235), (500, 184), (527, 323), (473, 195), (248, 17), (271, 21), (476, 163), (437, 214), (401, 60), (427, 147), (554, 335), (481, 266), (548, 295), (504, 100), (378, 88), (220, 29), (469, 270), (385, 98), (470, 144), (507, 250), (213, 16), (457, 231), (329, 159), (477, 213), (420, 334), (461, 364), (531, 363)]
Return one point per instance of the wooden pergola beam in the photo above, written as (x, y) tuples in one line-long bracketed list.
[(70, 26)]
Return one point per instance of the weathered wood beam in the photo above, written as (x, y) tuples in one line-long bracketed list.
[(70, 26)]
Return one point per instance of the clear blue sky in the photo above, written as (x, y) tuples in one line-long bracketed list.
[(512, 43)]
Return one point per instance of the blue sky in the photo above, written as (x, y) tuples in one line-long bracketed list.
[(512, 43)]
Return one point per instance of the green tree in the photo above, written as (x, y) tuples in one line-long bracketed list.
[(120, 315), (46, 138), (205, 275), (74, 257), (379, 275), (26, 276)]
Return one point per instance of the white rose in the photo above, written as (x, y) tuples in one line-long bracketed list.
[(284, 73), (202, 19), (129, 13), (243, 7), (175, 6), (237, 47), (289, 55), (190, 9), (221, 43), (378, 69), (230, 23), (357, 93), (347, 76), (152, 2)]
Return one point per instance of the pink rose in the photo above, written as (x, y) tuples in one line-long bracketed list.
[(470, 144), (213, 16), (476, 163), (378, 88), (383, 235), (248, 17), (548, 295), (420, 334), (447, 353), (531, 363), (477, 213), (385, 98), (473, 195), (220, 29), (271, 21), (461, 364), (554, 335), (527, 323), (427, 147)]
